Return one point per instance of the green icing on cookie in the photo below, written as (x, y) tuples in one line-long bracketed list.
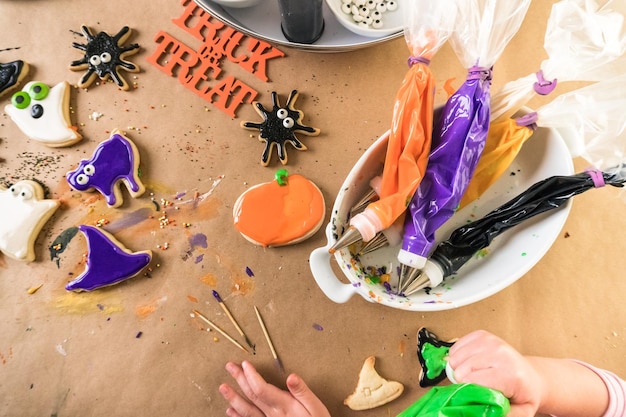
[(435, 358)]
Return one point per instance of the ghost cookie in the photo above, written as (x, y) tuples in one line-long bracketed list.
[(285, 211), (24, 213), (105, 57), (43, 113), (108, 261), (372, 390), (279, 127), (433, 357), (11, 75), (115, 161)]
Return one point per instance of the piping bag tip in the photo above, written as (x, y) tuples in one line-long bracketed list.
[(360, 205), (352, 235), (379, 241), (412, 280), (419, 283)]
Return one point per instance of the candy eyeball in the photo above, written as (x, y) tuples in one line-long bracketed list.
[(368, 13), (22, 192)]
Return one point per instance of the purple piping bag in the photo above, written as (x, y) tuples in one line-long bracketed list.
[(458, 141), (459, 136)]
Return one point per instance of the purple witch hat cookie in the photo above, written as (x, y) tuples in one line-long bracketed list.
[(114, 161), (108, 261)]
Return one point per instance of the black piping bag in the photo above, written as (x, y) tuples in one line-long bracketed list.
[(543, 196)]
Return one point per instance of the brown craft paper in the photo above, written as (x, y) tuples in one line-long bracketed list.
[(133, 349)]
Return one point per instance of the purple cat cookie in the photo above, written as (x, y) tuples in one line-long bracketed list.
[(115, 160), (108, 261)]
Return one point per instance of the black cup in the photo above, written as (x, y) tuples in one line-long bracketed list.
[(301, 20)]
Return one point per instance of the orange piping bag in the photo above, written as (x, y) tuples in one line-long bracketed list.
[(428, 26), (504, 141)]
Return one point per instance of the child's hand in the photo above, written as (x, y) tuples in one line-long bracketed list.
[(265, 400), (484, 359)]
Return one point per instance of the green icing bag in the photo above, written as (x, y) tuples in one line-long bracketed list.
[(459, 400)]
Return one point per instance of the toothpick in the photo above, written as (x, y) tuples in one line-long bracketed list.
[(269, 341), (232, 319), (222, 332)]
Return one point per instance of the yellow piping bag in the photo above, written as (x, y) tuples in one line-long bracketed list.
[(504, 141), (428, 25)]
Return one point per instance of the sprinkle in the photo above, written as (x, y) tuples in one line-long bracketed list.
[(317, 327), (34, 289), (95, 116), (249, 271), (138, 335)]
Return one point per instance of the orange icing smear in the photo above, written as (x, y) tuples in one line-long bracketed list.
[(275, 215)]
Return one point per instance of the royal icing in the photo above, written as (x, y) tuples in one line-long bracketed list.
[(275, 214), (43, 113), (433, 357), (11, 74), (114, 161), (108, 261), (279, 126), (24, 213), (104, 57)]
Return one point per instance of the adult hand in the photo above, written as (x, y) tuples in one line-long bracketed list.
[(261, 399)]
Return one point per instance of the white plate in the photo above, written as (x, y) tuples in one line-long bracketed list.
[(509, 257), (263, 22)]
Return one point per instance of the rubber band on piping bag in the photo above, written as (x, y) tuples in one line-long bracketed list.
[(596, 176), (542, 86)]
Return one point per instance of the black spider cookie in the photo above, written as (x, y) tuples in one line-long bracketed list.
[(105, 57), (432, 354), (279, 126), (11, 75)]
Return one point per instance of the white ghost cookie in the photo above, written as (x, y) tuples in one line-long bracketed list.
[(43, 113), (372, 390), (24, 212)]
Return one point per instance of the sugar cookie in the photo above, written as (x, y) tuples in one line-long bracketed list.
[(43, 113), (108, 261), (114, 161), (105, 57), (433, 357), (24, 213), (279, 126), (288, 210), (372, 390)]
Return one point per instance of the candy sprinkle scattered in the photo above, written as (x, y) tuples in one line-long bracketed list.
[(34, 289)]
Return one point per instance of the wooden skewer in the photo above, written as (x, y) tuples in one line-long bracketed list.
[(222, 332), (269, 341), (232, 319)]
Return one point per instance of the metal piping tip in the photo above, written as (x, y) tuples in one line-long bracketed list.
[(419, 283), (408, 274), (379, 241), (352, 235), (369, 197)]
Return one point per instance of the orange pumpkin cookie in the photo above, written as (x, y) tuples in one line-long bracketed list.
[(285, 211)]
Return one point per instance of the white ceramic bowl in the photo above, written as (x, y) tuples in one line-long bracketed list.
[(392, 21), (509, 256), (238, 4)]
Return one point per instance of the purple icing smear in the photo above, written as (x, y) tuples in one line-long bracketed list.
[(458, 141), (114, 160), (108, 262)]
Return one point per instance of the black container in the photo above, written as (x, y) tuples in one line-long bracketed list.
[(301, 20)]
